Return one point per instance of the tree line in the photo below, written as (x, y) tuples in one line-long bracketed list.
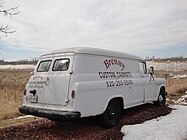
[(172, 59), (32, 61)]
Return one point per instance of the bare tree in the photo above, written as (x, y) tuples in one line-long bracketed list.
[(6, 29)]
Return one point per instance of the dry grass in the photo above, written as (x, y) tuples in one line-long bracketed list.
[(175, 87), (12, 84)]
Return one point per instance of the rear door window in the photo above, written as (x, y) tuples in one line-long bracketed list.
[(61, 64), (44, 66)]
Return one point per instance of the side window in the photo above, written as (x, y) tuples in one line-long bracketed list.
[(61, 65), (143, 69)]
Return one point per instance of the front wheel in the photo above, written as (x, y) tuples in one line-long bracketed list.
[(161, 98), (112, 114)]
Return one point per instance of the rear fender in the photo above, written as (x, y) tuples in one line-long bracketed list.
[(112, 98)]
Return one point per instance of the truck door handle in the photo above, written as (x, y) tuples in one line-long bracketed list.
[(47, 81)]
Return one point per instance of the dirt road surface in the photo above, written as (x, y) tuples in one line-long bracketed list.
[(83, 129)]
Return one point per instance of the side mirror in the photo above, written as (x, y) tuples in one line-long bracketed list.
[(151, 70)]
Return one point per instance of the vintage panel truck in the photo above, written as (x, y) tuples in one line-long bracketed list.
[(72, 83)]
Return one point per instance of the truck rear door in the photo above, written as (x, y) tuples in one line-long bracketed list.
[(52, 85)]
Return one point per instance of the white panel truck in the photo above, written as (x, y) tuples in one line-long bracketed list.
[(72, 83)]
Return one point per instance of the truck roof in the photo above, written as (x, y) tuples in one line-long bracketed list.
[(93, 51)]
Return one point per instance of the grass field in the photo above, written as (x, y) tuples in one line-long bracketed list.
[(176, 87), (12, 84)]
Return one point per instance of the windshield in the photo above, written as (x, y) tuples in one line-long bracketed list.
[(44, 66), (61, 65)]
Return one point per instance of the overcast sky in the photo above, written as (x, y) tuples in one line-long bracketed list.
[(141, 27)]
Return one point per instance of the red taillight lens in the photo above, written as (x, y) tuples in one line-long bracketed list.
[(24, 93), (73, 94)]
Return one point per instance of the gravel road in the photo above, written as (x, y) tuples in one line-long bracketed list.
[(83, 129)]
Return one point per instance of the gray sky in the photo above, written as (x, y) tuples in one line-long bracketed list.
[(141, 27)]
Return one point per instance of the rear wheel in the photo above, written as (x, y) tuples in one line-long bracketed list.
[(161, 98), (112, 114)]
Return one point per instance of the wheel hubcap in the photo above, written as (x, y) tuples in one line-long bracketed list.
[(161, 98), (112, 113)]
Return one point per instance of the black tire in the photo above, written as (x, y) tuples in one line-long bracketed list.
[(112, 114), (161, 98), (54, 120)]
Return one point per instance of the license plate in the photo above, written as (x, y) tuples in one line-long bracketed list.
[(33, 98)]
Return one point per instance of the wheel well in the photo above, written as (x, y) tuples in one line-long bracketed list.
[(163, 88), (120, 101)]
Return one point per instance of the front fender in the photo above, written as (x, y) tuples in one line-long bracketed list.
[(160, 83)]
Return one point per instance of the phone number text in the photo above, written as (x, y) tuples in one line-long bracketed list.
[(118, 83)]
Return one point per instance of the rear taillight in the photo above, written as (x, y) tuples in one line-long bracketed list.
[(24, 93), (73, 94)]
